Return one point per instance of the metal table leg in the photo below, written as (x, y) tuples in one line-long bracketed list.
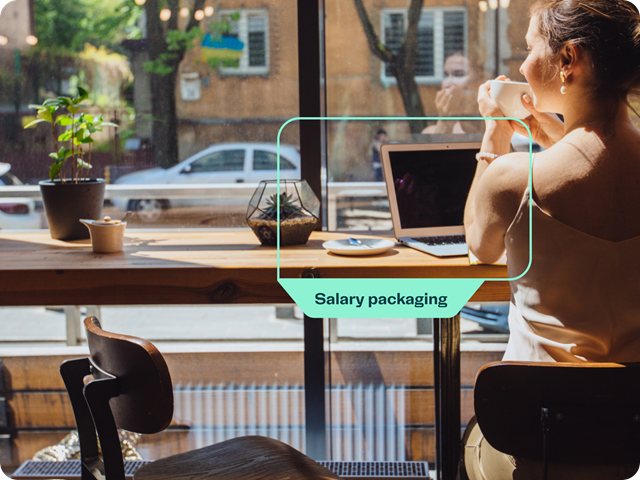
[(446, 362), (314, 388)]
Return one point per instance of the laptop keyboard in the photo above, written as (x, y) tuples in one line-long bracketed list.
[(441, 240)]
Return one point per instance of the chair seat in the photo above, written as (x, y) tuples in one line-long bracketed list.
[(243, 458)]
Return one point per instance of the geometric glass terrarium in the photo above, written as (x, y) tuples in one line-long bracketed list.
[(299, 209)]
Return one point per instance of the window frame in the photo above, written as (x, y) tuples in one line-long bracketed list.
[(438, 41), (243, 34)]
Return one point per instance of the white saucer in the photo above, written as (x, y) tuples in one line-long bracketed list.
[(370, 246)]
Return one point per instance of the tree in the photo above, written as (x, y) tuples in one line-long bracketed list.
[(167, 48), (67, 25), (402, 62)]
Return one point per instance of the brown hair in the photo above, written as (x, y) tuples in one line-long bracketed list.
[(608, 30)]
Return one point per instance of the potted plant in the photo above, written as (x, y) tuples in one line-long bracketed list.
[(298, 207), (70, 196)]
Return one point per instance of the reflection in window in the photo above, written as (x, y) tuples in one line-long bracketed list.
[(268, 160), (252, 30), (224, 161), (441, 32)]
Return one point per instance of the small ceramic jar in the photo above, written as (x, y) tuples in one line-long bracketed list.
[(107, 236)]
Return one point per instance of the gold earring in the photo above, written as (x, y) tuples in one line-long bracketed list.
[(563, 89)]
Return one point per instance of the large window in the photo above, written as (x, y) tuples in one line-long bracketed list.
[(441, 33), (252, 29)]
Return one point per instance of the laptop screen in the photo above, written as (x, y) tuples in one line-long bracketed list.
[(431, 186)]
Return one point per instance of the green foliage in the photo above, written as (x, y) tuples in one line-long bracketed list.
[(78, 131), (69, 24), (215, 63), (163, 65), (287, 206), (179, 41)]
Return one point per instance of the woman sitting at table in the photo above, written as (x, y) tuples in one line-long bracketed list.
[(578, 301)]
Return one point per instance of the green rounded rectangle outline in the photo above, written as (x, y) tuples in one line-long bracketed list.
[(373, 297)]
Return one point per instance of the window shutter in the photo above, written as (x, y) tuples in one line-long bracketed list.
[(453, 33), (393, 35), (257, 32), (425, 63)]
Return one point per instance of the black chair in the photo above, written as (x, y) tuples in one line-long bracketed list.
[(131, 389), (587, 414)]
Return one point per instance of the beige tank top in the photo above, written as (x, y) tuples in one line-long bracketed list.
[(579, 301)]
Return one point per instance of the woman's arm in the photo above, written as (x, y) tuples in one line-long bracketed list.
[(497, 187), (493, 202)]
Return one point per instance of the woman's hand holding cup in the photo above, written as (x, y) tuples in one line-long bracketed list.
[(489, 108), (546, 128)]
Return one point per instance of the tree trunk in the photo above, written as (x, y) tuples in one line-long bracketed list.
[(402, 63), (165, 121), (164, 129)]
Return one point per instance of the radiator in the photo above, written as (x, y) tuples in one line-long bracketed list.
[(367, 420)]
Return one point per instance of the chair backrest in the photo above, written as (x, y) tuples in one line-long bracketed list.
[(131, 389), (145, 400), (593, 410)]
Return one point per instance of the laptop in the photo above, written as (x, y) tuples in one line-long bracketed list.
[(428, 186)]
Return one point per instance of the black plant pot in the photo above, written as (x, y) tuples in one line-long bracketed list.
[(66, 203)]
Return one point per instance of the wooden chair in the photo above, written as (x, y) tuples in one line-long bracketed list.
[(131, 389), (561, 412)]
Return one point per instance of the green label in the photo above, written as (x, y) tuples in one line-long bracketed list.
[(380, 297)]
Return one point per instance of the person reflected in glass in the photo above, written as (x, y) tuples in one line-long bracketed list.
[(379, 139), (456, 98), (577, 301)]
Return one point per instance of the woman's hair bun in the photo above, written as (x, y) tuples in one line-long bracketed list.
[(609, 30)]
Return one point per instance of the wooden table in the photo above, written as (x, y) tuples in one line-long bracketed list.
[(213, 267), (198, 267)]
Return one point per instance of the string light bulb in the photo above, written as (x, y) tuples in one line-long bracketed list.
[(3, 40), (483, 6), (208, 11), (493, 4), (504, 3), (31, 40), (165, 14), (184, 12), (199, 15), (140, 2)]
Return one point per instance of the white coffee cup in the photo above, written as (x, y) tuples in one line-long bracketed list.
[(508, 97)]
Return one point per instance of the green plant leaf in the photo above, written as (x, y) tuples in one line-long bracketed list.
[(108, 124), (35, 107), (54, 155), (64, 120), (54, 171), (65, 136), (73, 109), (83, 164), (45, 114), (34, 123), (63, 101), (53, 102), (82, 96)]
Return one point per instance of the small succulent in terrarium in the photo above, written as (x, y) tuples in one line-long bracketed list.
[(298, 208), (287, 206)]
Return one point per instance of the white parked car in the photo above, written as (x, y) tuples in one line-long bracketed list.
[(221, 163), (16, 213)]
